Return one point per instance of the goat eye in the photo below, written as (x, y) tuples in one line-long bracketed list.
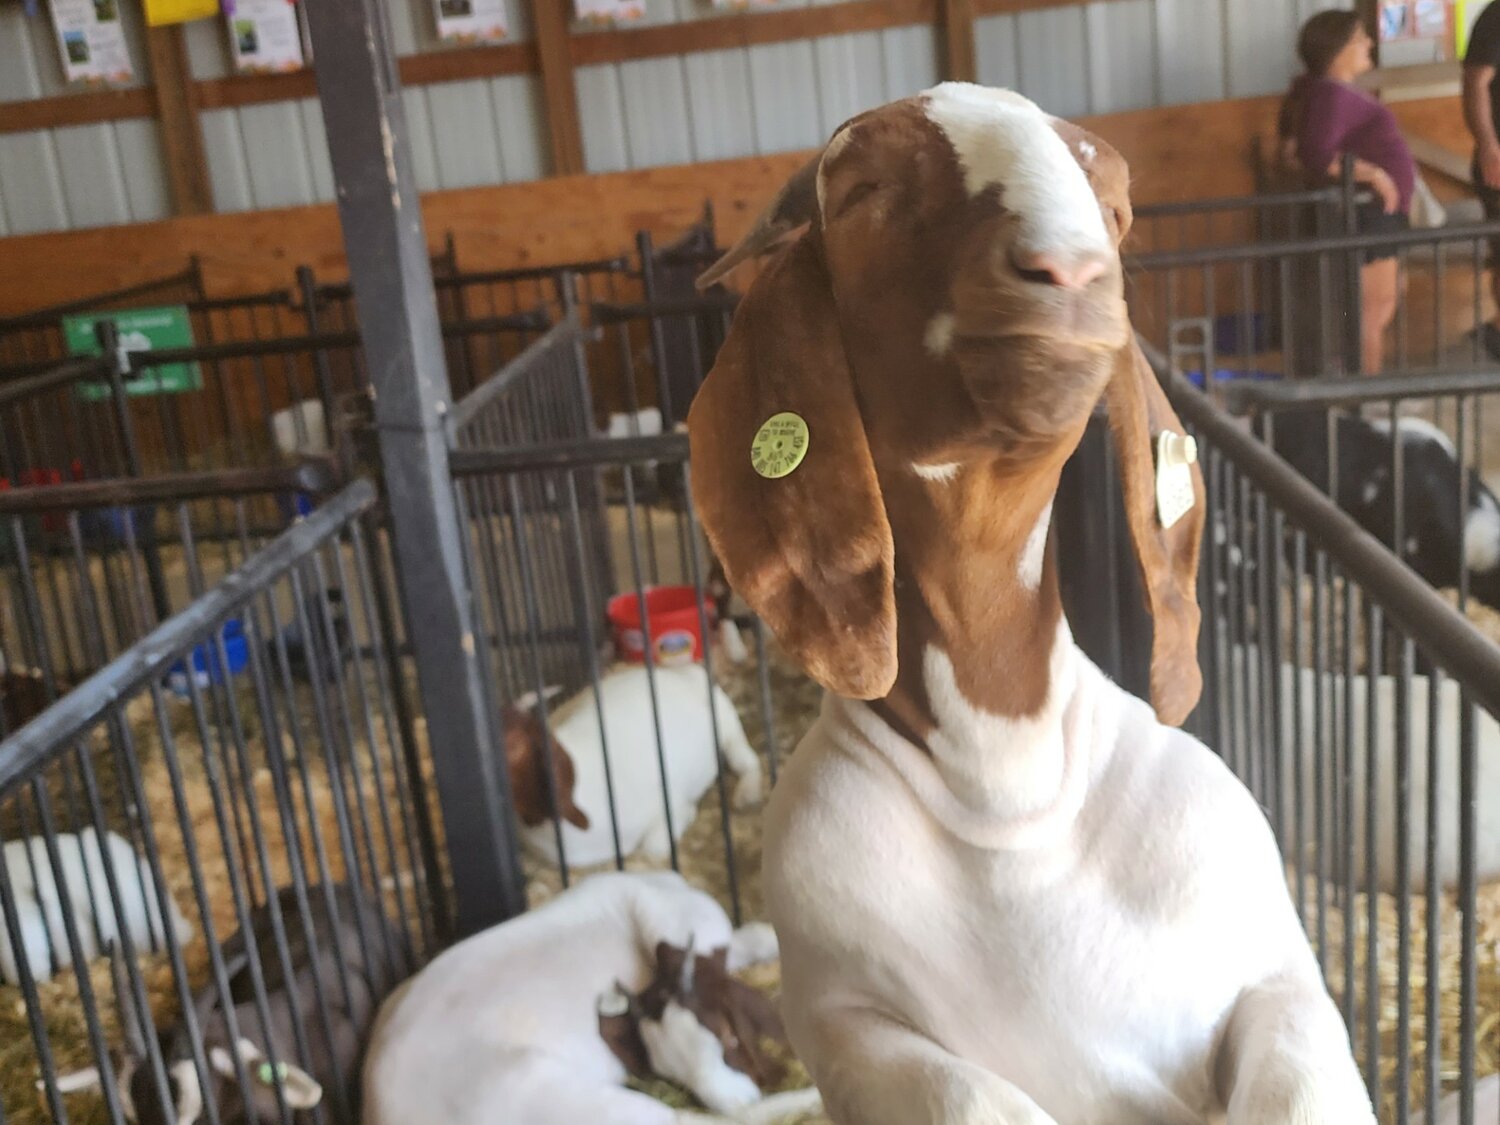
[(855, 195)]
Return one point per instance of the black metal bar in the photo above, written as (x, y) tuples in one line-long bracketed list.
[(563, 334), (315, 475), (1245, 396), (391, 274), (1329, 244), (580, 453), (49, 313), (1421, 613), (28, 748)]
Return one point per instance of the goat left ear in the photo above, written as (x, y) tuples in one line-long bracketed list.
[(794, 511), (301, 1090), (1168, 555)]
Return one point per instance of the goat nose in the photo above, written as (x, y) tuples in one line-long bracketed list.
[(1069, 271)]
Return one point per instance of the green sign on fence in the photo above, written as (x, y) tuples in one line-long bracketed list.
[(140, 330)]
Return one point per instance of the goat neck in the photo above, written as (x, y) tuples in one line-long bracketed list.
[(984, 655)]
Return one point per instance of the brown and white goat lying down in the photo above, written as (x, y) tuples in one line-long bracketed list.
[(539, 1020), (1005, 892)]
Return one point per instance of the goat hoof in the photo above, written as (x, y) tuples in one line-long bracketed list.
[(750, 792)]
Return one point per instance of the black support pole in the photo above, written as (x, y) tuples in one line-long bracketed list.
[(403, 346)]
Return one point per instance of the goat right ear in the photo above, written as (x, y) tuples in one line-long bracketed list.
[(810, 550)]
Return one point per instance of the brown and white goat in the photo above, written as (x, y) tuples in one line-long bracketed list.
[(1005, 891), (517, 1023)]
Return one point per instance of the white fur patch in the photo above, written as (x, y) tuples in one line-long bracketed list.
[(1417, 429), (1087, 150), (939, 334), (682, 1050), (1482, 535), (1016, 766), (940, 473), (1034, 552), (1003, 139), (835, 146)]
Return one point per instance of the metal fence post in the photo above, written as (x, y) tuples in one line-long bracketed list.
[(398, 324), (117, 363), (1097, 572)]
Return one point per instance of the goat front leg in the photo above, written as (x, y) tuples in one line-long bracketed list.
[(1285, 1059), (874, 1071)]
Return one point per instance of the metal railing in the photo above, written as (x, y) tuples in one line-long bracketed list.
[(270, 857), (699, 736), (87, 568), (1358, 705)]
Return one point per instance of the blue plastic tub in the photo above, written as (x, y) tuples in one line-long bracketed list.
[(207, 667)]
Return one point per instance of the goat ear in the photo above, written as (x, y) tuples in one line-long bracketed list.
[(1139, 413), (301, 1090), (795, 204), (810, 551)]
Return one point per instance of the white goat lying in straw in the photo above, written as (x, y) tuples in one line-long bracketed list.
[(507, 1024), (1006, 893)]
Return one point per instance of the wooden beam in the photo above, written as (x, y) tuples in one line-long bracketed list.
[(87, 108), (554, 55), (549, 22), (748, 29), (957, 26), (177, 114)]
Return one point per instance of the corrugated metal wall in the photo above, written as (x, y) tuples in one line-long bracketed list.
[(1098, 57)]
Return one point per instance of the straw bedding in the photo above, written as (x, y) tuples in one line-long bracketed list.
[(702, 858), (312, 796)]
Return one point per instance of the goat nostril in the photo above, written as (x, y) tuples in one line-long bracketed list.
[(1066, 273)]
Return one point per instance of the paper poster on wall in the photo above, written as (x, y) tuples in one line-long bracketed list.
[(160, 13), (1395, 20), (1430, 18), (471, 21), (141, 330), (92, 40), (265, 36), (604, 12)]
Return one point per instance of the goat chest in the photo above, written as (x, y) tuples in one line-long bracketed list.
[(1094, 968)]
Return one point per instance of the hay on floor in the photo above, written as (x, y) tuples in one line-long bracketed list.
[(313, 804)]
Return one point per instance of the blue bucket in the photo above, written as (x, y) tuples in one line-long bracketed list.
[(207, 667)]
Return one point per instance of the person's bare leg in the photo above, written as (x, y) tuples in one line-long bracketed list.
[(1379, 288)]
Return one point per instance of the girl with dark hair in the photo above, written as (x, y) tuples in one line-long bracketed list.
[(1324, 118)]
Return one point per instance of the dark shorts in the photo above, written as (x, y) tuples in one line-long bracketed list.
[(1372, 218), (1490, 199)]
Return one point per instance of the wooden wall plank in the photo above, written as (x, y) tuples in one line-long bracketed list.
[(1184, 152), (959, 60), (177, 113), (86, 108)]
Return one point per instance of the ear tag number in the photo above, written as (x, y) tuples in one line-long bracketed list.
[(779, 445), (1175, 456)]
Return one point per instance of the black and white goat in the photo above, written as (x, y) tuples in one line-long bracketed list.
[(337, 971), (1438, 541)]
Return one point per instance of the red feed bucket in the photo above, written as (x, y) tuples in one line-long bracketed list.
[(675, 631)]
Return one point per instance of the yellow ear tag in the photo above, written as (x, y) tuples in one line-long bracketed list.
[(779, 446)]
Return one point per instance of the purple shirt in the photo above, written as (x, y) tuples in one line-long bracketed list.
[(1337, 118)]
